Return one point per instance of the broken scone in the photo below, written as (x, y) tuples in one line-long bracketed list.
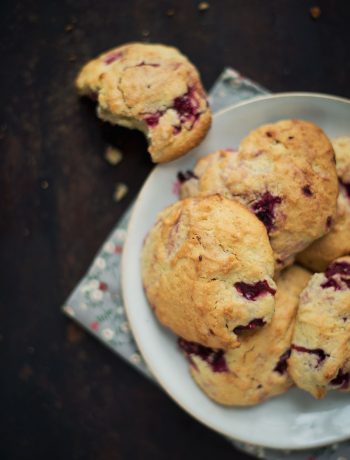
[(152, 88)]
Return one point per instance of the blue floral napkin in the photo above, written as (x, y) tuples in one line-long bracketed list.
[(97, 304)]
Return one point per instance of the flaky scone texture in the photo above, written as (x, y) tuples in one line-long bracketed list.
[(336, 243), (285, 173), (207, 269), (257, 370), (320, 358), (153, 88)]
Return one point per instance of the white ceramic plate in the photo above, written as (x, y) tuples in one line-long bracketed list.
[(291, 421)]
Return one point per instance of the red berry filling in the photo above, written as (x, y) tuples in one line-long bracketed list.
[(254, 324), (331, 283), (187, 106), (176, 129), (255, 290), (264, 209), (215, 358), (143, 63), (281, 366), (152, 119), (307, 190), (347, 187), (337, 268), (342, 268), (111, 57), (185, 176), (329, 222), (321, 355), (342, 380)]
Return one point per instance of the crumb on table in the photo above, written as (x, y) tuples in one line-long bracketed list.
[(203, 6), (112, 155), (315, 12), (120, 191)]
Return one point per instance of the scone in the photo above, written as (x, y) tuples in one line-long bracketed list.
[(285, 173), (207, 269), (152, 88), (320, 358), (337, 242), (341, 147), (257, 370)]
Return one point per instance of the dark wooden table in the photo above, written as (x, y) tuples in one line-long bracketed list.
[(63, 395)]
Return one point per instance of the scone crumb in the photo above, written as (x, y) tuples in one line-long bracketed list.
[(203, 6), (112, 155), (120, 191), (69, 27), (25, 372), (74, 334), (315, 12), (44, 184)]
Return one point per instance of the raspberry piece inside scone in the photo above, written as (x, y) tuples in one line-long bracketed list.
[(338, 268), (342, 380), (281, 366), (152, 119), (347, 188), (215, 358), (187, 106), (257, 370), (320, 358), (251, 326), (264, 209), (185, 176), (152, 88), (254, 290), (112, 57), (284, 172), (318, 352), (338, 276), (192, 266), (307, 190)]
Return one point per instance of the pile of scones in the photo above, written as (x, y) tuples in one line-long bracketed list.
[(251, 266)]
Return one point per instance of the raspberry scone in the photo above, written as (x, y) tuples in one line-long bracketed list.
[(257, 370), (285, 173), (337, 242), (207, 269), (152, 88), (320, 358)]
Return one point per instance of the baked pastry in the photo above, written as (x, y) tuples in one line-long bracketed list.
[(257, 370), (152, 88), (320, 358), (207, 269), (337, 242), (285, 173), (341, 147)]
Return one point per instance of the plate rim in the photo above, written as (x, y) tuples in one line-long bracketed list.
[(131, 224)]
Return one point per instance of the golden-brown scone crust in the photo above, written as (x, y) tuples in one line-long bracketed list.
[(320, 358), (285, 173), (207, 269), (257, 370), (153, 88), (337, 242)]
